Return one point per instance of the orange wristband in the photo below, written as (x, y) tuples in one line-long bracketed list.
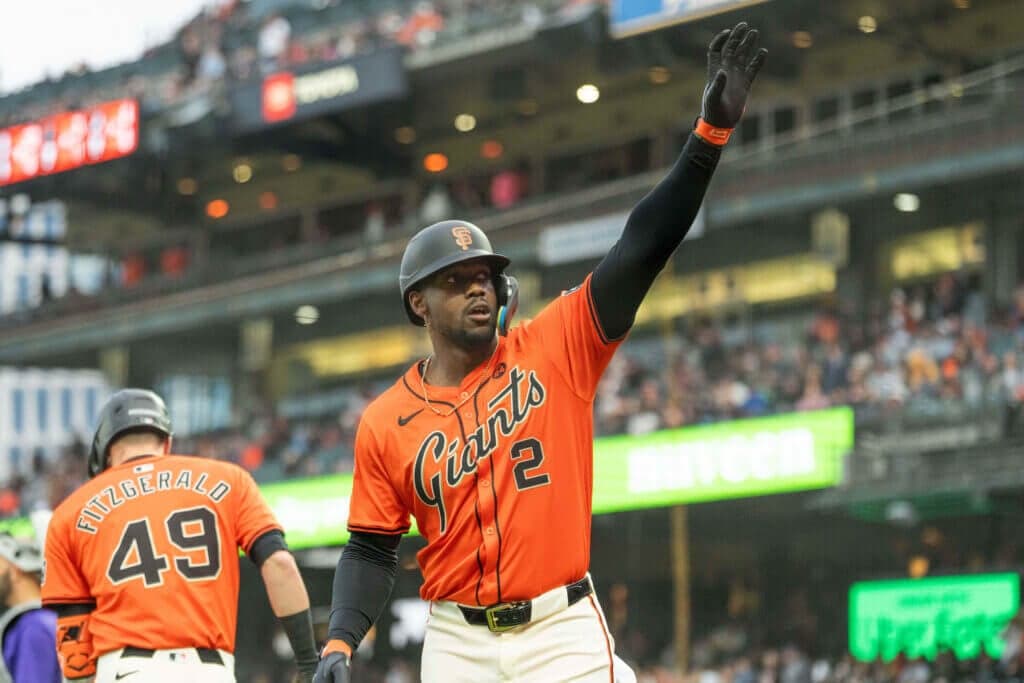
[(335, 645), (711, 135)]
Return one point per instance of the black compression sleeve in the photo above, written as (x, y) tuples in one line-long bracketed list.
[(656, 226), (362, 584), (265, 546), (299, 629)]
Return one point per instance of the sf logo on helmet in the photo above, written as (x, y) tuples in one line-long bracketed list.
[(463, 237)]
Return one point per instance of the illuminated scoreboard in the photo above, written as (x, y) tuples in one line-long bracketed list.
[(69, 140), (629, 17)]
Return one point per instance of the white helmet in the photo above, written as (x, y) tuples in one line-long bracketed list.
[(23, 553)]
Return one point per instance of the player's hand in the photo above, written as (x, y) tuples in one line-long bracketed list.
[(333, 668), (733, 62)]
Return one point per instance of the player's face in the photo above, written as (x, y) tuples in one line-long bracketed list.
[(462, 304)]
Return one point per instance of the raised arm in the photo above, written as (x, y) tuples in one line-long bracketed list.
[(660, 221)]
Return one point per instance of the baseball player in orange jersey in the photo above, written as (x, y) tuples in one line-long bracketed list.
[(488, 442), (142, 560)]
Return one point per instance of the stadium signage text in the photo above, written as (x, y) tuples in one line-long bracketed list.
[(764, 456), (284, 93), (67, 141), (319, 89), (341, 80), (923, 617), (629, 17), (735, 459)]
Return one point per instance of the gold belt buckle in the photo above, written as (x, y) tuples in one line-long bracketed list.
[(492, 623)]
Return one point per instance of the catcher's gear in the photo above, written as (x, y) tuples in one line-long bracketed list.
[(333, 668), (733, 63), (444, 244), (127, 410), (23, 553)]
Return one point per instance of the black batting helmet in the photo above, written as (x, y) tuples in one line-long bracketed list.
[(127, 410), (443, 244)]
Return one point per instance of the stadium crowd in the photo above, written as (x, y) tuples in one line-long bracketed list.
[(233, 41)]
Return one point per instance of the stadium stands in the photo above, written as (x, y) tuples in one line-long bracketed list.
[(861, 246)]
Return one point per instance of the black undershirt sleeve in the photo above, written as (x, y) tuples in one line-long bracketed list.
[(72, 609), (265, 546), (656, 226), (362, 584)]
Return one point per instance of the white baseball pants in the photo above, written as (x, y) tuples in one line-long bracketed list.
[(164, 666), (571, 644)]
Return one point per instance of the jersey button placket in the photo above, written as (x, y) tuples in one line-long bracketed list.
[(488, 511)]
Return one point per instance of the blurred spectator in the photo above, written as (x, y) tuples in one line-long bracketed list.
[(133, 269), (174, 261), (191, 52), (272, 44), (422, 26), (212, 65), (436, 206), (507, 188), (373, 227)]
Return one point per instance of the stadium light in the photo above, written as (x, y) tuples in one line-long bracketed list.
[(187, 186), (307, 314), (802, 39), (867, 24), (906, 202), (962, 4), (435, 162), (491, 149), (217, 208), (406, 135), (465, 123), (242, 173), (659, 75), (268, 200), (588, 93)]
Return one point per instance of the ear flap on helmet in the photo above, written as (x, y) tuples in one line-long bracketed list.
[(97, 461), (507, 289)]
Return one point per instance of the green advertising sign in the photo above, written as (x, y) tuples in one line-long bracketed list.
[(922, 617), (793, 452), (312, 511)]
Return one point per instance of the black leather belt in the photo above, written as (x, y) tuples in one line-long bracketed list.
[(508, 615), (206, 655)]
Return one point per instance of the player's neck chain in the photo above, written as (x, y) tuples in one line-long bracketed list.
[(466, 395)]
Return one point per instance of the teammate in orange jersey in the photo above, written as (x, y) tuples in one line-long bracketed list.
[(488, 442), (142, 560)]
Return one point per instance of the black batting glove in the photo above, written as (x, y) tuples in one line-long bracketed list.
[(333, 669), (733, 62)]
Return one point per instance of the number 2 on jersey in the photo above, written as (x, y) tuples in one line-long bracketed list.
[(191, 530), (524, 479)]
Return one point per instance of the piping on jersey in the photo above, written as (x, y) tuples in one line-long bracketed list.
[(524, 392)]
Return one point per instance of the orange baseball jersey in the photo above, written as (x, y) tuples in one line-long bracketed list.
[(154, 543), (500, 482)]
